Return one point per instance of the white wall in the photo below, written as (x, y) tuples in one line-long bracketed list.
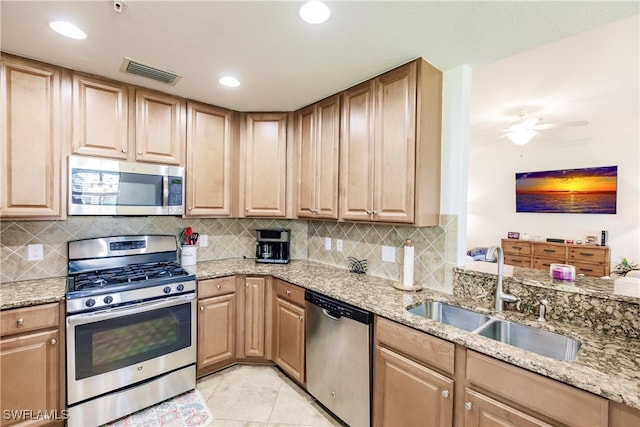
[(593, 76)]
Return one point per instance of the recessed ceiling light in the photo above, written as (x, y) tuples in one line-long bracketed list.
[(314, 12), (67, 29), (229, 81)]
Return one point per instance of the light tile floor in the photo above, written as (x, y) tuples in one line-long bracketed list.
[(250, 395)]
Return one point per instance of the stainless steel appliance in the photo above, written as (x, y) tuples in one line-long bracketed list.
[(338, 357), (272, 245), (130, 326), (110, 187)]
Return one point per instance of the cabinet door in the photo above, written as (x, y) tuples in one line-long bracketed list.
[(30, 140), (30, 374), (254, 317), (216, 330), (289, 339), (160, 128), (395, 142), (306, 161), (209, 138), (264, 163), (356, 158), (100, 114), (327, 152), (407, 393), (482, 411)]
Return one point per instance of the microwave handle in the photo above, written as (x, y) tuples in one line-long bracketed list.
[(165, 190)]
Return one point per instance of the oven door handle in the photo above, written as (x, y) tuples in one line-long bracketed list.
[(96, 316)]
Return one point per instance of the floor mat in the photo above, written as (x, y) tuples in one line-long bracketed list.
[(187, 409)]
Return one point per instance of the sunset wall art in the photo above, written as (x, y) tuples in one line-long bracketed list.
[(588, 190)]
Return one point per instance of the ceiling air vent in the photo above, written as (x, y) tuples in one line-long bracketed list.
[(138, 68)]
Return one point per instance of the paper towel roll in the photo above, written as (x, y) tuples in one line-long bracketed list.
[(407, 277)]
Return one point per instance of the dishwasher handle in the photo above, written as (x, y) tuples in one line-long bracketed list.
[(331, 314), (335, 309)]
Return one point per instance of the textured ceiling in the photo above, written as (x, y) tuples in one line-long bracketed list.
[(283, 63)]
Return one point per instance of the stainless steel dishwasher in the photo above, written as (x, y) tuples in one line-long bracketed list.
[(338, 357)]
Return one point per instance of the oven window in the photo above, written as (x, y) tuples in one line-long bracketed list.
[(123, 341)]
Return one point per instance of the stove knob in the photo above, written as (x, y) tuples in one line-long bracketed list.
[(166, 289), (108, 299), (90, 302), (180, 287)]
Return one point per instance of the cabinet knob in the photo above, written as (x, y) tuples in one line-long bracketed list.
[(139, 153), (300, 318), (445, 393), (219, 286), (20, 321), (53, 341), (374, 212), (288, 293), (246, 209), (201, 308), (468, 406), (247, 285), (124, 150), (189, 208)]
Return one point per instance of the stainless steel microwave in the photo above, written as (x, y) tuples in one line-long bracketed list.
[(110, 187)]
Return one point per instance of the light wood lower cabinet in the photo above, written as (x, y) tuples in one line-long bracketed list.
[(217, 323), (254, 317), (30, 354), (407, 389), (289, 327), (482, 411)]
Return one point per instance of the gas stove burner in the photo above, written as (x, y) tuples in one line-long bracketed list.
[(128, 274)]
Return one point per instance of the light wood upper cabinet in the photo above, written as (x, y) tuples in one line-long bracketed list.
[(263, 164), (100, 115), (160, 129), (390, 147), (211, 133), (31, 154), (317, 136)]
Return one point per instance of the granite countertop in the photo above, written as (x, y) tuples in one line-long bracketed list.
[(608, 366)]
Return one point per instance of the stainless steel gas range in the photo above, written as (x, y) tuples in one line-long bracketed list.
[(130, 326)]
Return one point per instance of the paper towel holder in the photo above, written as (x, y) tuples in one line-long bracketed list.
[(399, 284)]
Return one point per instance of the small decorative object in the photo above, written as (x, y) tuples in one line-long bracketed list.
[(623, 267), (513, 235), (579, 242), (569, 242), (562, 272), (591, 240), (358, 266)]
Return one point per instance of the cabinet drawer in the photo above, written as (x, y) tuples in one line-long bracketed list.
[(213, 287), (518, 261), (588, 254), (545, 396), (594, 270), (289, 292), (545, 263), (516, 247), (545, 250), (29, 318), (418, 345)]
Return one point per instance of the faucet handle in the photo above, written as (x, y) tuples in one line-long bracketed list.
[(543, 310)]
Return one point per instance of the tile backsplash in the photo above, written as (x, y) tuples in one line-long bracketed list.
[(233, 238)]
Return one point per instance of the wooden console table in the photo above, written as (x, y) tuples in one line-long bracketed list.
[(589, 260)]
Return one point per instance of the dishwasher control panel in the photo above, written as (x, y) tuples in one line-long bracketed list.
[(337, 308)]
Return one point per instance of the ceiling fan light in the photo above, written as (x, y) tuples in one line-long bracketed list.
[(521, 136)]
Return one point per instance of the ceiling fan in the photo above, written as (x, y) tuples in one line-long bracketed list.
[(521, 132)]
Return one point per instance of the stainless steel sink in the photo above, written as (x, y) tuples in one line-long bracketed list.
[(459, 317), (538, 341)]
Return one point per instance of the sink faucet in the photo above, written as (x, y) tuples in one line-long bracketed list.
[(501, 297)]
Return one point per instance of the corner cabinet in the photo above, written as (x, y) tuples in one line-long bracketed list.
[(160, 130), (211, 140), (31, 157), (256, 329), (30, 352), (100, 117), (289, 324), (317, 136), (390, 147), (263, 165), (217, 323)]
